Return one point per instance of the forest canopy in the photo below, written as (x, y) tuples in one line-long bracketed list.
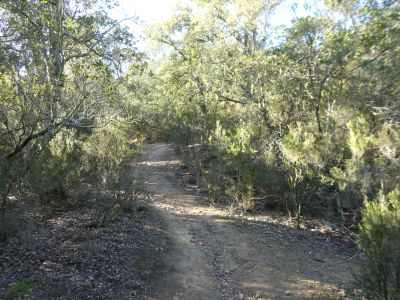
[(316, 102)]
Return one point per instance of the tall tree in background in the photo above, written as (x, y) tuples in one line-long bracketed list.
[(59, 67), (42, 44), (303, 95)]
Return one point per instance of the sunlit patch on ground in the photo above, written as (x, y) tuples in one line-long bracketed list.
[(161, 163), (234, 254)]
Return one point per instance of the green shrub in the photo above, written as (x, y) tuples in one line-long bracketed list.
[(379, 239), (18, 289)]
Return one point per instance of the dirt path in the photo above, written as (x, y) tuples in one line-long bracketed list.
[(210, 255)]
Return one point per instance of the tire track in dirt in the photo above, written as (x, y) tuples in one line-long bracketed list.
[(210, 255)]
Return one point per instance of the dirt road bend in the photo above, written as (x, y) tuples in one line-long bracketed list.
[(210, 255)]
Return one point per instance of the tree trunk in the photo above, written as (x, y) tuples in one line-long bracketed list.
[(272, 131)]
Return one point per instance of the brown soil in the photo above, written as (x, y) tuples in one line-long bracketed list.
[(182, 249), (68, 257), (213, 255)]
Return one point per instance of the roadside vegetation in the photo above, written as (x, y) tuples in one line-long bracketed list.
[(302, 119)]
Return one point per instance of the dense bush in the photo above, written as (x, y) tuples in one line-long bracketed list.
[(379, 239), (84, 168), (61, 103), (296, 125)]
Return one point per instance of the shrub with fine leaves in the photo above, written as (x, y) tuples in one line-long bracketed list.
[(380, 241)]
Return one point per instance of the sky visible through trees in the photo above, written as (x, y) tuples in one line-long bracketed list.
[(286, 106), (149, 12)]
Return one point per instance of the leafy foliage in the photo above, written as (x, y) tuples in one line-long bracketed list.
[(303, 118), (295, 99), (60, 99), (380, 241)]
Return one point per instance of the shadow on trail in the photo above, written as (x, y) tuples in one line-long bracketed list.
[(212, 255)]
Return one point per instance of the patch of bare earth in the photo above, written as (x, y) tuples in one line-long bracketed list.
[(211, 254), (182, 249), (64, 258)]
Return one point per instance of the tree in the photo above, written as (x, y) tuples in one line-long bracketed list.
[(44, 44), (59, 67)]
